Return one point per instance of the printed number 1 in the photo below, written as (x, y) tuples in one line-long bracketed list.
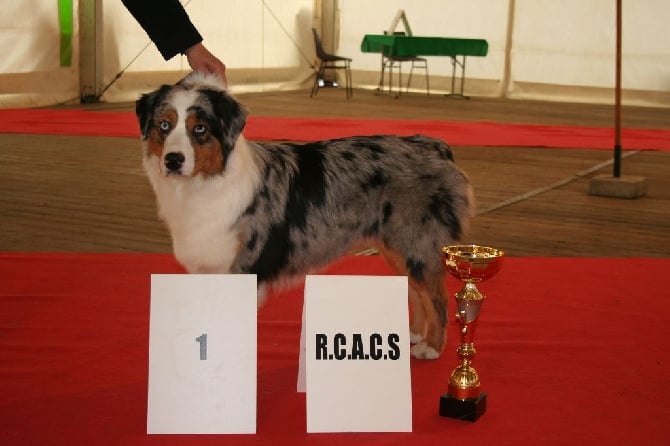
[(202, 340)]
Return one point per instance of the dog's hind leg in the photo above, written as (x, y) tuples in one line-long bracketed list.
[(417, 327), (433, 297), (427, 298)]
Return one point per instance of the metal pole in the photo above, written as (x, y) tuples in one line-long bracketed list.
[(507, 72), (91, 51), (617, 96)]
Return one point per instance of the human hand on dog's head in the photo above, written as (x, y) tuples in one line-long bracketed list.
[(202, 60)]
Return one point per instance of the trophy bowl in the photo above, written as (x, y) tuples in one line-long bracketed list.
[(472, 263)]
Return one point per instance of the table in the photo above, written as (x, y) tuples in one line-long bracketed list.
[(406, 46)]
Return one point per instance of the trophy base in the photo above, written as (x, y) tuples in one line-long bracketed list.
[(467, 410)]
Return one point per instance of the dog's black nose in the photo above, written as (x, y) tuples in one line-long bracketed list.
[(173, 161)]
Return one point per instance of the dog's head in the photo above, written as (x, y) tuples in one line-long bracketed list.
[(191, 127)]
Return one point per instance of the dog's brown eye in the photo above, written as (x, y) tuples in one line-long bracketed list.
[(164, 126), (199, 129)]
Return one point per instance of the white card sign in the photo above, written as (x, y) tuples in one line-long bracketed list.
[(357, 354), (202, 354)]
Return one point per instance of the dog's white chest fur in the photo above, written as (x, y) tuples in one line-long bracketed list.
[(201, 212)]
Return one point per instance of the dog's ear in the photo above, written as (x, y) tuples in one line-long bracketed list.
[(145, 107), (231, 114)]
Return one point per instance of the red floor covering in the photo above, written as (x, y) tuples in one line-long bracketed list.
[(570, 351), (263, 128)]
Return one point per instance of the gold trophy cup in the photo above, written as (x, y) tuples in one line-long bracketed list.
[(470, 264)]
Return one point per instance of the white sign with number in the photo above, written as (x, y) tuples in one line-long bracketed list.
[(202, 354), (357, 354)]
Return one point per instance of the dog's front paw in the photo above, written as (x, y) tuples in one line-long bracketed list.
[(415, 338), (424, 351)]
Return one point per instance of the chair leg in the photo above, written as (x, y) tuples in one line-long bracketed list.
[(380, 85), (315, 85), (409, 80), (349, 81), (319, 75), (348, 84), (391, 66), (346, 80), (399, 80), (391, 78)]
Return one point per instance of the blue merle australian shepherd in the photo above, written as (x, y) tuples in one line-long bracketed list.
[(280, 211)]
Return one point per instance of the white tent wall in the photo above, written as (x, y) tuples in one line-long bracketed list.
[(559, 50), (266, 45), (538, 49), (262, 43), (566, 51), (30, 69)]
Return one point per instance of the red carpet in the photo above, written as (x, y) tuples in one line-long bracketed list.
[(87, 123), (570, 351)]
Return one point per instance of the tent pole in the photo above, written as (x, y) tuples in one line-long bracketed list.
[(617, 96), (91, 51), (507, 72), (631, 186)]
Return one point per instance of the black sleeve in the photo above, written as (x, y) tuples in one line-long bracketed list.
[(166, 23)]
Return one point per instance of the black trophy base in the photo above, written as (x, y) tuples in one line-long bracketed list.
[(467, 410)]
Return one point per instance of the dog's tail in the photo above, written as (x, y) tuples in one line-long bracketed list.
[(433, 143), (460, 203), (458, 206)]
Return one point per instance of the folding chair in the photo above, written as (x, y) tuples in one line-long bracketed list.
[(393, 62), (330, 62)]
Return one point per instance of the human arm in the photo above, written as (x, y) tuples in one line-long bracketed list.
[(166, 23), (169, 27)]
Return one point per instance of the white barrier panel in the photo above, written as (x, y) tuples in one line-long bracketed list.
[(202, 354), (357, 354)]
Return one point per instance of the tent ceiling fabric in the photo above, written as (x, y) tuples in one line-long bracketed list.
[(539, 49)]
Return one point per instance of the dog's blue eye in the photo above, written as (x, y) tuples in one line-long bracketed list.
[(199, 129), (164, 126)]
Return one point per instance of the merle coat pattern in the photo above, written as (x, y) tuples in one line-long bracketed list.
[(282, 210)]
